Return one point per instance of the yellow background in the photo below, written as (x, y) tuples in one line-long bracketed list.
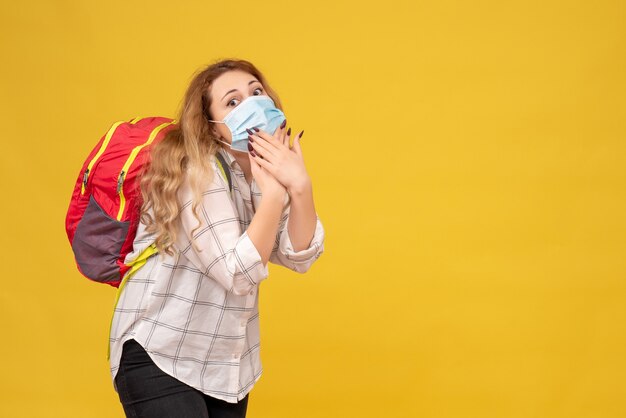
[(468, 163)]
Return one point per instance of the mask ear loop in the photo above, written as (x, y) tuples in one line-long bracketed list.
[(223, 142), (206, 116), (217, 139), (205, 112)]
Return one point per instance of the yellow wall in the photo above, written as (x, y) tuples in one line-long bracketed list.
[(468, 166)]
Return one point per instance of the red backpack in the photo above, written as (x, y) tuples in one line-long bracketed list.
[(103, 214)]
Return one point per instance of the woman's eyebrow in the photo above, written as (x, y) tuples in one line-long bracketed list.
[(230, 91)]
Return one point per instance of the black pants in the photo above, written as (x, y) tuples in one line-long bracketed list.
[(147, 391)]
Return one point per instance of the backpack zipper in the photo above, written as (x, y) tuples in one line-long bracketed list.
[(129, 161), (105, 143)]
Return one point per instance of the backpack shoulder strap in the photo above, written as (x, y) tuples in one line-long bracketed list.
[(225, 169)]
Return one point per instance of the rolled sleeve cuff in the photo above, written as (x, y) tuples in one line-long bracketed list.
[(249, 260), (308, 254)]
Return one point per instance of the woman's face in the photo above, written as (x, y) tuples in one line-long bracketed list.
[(227, 91)]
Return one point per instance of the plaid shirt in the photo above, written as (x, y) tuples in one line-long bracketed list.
[(196, 312)]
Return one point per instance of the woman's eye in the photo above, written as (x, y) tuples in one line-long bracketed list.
[(260, 89)]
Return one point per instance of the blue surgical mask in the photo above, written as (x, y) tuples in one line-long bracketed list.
[(253, 112)]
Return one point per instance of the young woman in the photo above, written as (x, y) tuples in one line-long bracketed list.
[(185, 333)]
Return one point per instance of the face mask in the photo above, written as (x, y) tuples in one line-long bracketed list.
[(253, 112)]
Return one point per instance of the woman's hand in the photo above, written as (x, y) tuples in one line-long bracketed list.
[(267, 183), (284, 163)]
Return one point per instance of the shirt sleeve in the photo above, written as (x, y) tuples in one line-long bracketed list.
[(221, 252), (283, 253)]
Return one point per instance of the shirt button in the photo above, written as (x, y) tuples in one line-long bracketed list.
[(252, 292), (235, 355)]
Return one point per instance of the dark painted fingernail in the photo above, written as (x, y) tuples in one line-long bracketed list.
[(249, 131), (250, 147), (284, 124), (250, 138), (301, 133), (289, 132), (256, 129), (253, 153)]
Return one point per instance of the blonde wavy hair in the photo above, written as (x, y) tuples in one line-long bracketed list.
[(184, 152)]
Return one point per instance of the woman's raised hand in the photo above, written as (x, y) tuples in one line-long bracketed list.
[(267, 183), (273, 153)]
